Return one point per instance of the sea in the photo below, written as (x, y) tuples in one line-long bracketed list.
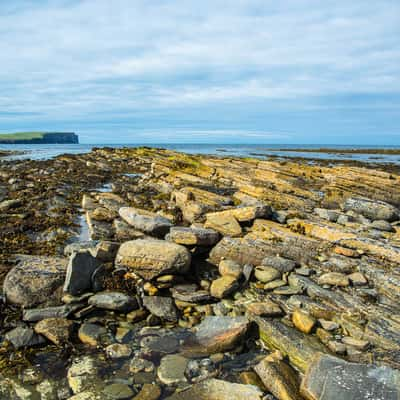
[(261, 151)]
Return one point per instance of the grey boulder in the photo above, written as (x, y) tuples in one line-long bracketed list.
[(145, 221), (330, 378), (35, 280)]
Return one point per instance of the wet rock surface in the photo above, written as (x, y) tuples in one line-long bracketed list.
[(198, 277)]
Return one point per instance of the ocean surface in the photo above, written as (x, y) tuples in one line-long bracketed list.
[(262, 151)]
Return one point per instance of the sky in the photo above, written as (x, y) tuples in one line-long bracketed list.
[(210, 71)]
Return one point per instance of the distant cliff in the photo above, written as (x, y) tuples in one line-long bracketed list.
[(39, 137)]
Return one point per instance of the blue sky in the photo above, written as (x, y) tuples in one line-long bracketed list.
[(210, 71)]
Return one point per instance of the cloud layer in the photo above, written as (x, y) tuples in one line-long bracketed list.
[(299, 71)]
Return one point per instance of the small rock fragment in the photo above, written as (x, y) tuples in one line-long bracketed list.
[(303, 321), (57, 330), (224, 286)]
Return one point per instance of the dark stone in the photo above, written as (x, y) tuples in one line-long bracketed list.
[(80, 270), (24, 337), (162, 307)]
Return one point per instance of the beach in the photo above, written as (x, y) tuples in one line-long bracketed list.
[(149, 273)]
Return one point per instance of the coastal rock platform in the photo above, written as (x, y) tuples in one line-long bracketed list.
[(151, 274)]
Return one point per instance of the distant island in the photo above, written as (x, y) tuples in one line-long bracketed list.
[(39, 138)]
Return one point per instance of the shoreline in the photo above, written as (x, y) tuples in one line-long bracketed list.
[(334, 150), (297, 255)]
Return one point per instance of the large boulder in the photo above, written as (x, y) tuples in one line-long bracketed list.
[(150, 258), (146, 221), (375, 210), (330, 378), (35, 280)]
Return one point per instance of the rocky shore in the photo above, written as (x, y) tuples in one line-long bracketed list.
[(148, 274)]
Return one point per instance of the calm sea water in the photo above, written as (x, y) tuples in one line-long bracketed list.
[(42, 151)]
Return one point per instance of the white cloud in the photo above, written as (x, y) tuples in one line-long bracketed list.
[(73, 58)]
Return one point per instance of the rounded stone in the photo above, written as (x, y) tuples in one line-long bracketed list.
[(266, 274), (229, 267), (117, 350), (150, 258), (35, 280)]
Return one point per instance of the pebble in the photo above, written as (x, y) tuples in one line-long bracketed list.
[(138, 364), (92, 334), (172, 369), (266, 308), (117, 350), (224, 286), (230, 267), (118, 391), (266, 274), (303, 321)]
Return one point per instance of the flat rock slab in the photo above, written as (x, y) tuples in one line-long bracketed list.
[(193, 236), (172, 369), (37, 314), (299, 347), (35, 280), (114, 301), (216, 334), (243, 251), (330, 378), (191, 296), (150, 258), (224, 223), (145, 221), (216, 389), (279, 263)]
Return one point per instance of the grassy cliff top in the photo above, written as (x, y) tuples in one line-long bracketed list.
[(21, 135)]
